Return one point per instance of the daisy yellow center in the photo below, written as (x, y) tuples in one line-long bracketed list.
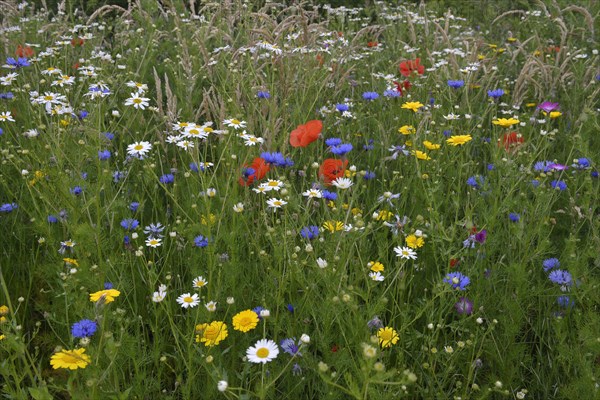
[(208, 129), (252, 139), (154, 241), (194, 131), (137, 101), (387, 335), (183, 124), (48, 98), (263, 352), (235, 121), (138, 84), (138, 147), (405, 253), (200, 284), (273, 184), (277, 203), (188, 299)]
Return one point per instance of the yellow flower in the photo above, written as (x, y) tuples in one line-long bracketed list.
[(387, 336), (356, 211), (245, 321), (458, 140), (107, 296), (412, 105), (421, 155), (480, 57), (3, 320), (492, 46), (375, 266), (211, 334), (555, 114), (530, 104), (349, 174), (71, 261), (407, 130), (384, 215), (414, 241), (210, 219), (71, 359), (505, 123), (2, 337), (431, 146), (333, 226), (3, 310), (512, 39)]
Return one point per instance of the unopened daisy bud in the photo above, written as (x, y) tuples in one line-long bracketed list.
[(230, 300), (479, 320), (315, 165), (265, 313), (323, 367), (305, 338), (209, 359), (498, 384), (134, 235), (222, 386)]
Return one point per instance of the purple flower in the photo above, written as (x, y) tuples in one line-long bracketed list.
[(464, 306), (548, 106), (310, 232), (289, 346), (167, 178), (342, 107), (8, 207), (495, 94), (456, 84), (341, 149), (369, 96), (77, 190), (565, 301), (481, 236), (561, 277), (263, 94), (557, 167), (558, 185), (514, 217), (392, 93), (457, 280), (333, 142), (129, 224), (200, 241), (103, 155), (375, 323), (327, 195)]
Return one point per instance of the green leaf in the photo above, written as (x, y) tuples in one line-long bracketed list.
[(40, 393)]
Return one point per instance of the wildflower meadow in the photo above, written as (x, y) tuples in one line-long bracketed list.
[(256, 200)]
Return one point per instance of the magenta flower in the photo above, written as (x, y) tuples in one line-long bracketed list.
[(548, 106)]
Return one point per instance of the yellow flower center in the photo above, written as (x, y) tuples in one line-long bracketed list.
[(235, 121), (137, 101), (263, 352), (138, 147), (48, 98)]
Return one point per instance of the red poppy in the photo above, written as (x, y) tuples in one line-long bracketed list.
[(454, 262), (260, 168), (24, 51), (331, 169), (510, 140), (404, 85), (372, 44), (77, 42), (334, 348), (410, 66), (305, 134), (320, 59)]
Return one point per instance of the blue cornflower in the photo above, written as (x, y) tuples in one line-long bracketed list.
[(327, 195), (134, 206), (342, 107), (8, 207), (431, 101), (167, 178), (447, 132), (456, 84), (561, 277), (7, 95), (464, 306), (565, 301), (263, 94), (109, 136), (289, 346), (154, 230), (582, 163), (341, 149), (550, 263), (490, 167), (375, 323), (52, 219), (82, 114), (535, 183), (495, 94), (391, 93), (129, 224), (108, 285), (558, 185), (543, 166), (84, 328), (369, 96), (277, 159), (63, 215), (290, 308), (369, 145), (77, 190), (514, 217), (310, 232), (594, 174), (296, 369), (257, 310), (369, 175), (103, 155), (200, 241), (476, 181), (333, 141), (118, 175), (1, 131), (18, 63), (457, 280)]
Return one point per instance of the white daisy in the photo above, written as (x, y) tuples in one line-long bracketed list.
[(6, 116), (153, 242), (272, 184), (137, 101), (211, 306), (376, 276), (139, 149), (342, 183), (188, 301), (262, 352), (141, 87), (405, 253), (199, 282), (186, 144), (159, 296), (195, 131), (235, 123), (181, 125), (313, 193), (276, 203), (238, 208), (52, 71)]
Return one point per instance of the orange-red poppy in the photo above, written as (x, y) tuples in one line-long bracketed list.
[(510, 140), (331, 169), (404, 85), (410, 66), (24, 51), (372, 44), (260, 168), (77, 42), (305, 134)]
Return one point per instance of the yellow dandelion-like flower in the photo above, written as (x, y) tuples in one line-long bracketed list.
[(71, 261), (384, 215), (458, 140), (108, 295), (387, 336), (333, 226), (555, 114), (209, 219), (245, 321), (431, 146), (421, 155), (407, 130), (70, 359), (3, 310), (505, 122), (414, 241), (375, 266), (412, 105), (211, 334)]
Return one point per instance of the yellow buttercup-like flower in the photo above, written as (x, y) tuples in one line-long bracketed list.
[(211, 334), (387, 336), (414, 241), (421, 155), (431, 146), (407, 130), (412, 105), (505, 123), (108, 295), (245, 321), (458, 140), (70, 359)]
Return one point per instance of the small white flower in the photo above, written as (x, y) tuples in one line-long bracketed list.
[(376, 276), (405, 253), (138, 102), (238, 208), (276, 203), (321, 263), (342, 183), (222, 386), (305, 338), (211, 306), (153, 242), (139, 149), (264, 313), (188, 301), (313, 193)]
